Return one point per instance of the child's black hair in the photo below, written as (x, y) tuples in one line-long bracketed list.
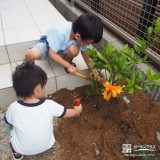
[(89, 26), (26, 77)]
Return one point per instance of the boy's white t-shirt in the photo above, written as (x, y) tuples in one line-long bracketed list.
[(33, 125), (58, 36)]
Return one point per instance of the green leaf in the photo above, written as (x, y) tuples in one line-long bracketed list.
[(157, 21), (100, 56), (109, 47), (156, 41), (128, 81), (157, 29), (140, 74), (115, 68), (157, 84), (145, 58), (129, 85), (107, 67), (92, 63), (148, 88), (149, 32), (119, 76), (92, 52), (156, 76), (122, 63), (111, 78), (126, 88), (142, 43), (137, 48), (138, 87), (149, 74), (98, 66), (129, 67), (124, 48), (131, 90), (113, 48), (133, 78)]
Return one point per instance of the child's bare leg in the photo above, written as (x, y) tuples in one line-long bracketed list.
[(72, 51), (33, 54)]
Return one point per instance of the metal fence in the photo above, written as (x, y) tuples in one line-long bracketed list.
[(128, 18)]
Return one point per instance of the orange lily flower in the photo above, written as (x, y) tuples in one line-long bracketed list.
[(110, 90)]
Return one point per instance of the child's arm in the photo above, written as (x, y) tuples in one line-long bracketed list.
[(87, 59), (8, 116), (54, 56), (73, 112)]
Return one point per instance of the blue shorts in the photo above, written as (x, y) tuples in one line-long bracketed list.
[(43, 46)]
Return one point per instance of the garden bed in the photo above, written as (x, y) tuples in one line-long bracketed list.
[(100, 134)]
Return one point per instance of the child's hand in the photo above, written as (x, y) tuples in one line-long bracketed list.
[(78, 108), (72, 70), (73, 112), (97, 77)]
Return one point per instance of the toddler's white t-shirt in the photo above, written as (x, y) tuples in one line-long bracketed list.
[(33, 125)]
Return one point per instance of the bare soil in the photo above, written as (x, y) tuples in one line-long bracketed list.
[(100, 134)]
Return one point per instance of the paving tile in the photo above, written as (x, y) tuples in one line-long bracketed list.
[(59, 70), (11, 12), (71, 82), (46, 67), (50, 86), (49, 17), (5, 76), (23, 34), (17, 21), (43, 64), (44, 27), (17, 52), (1, 38), (42, 8), (13, 65), (7, 96), (4, 56), (80, 63), (35, 2), (11, 3)]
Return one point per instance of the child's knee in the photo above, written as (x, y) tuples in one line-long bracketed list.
[(33, 54), (73, 50)]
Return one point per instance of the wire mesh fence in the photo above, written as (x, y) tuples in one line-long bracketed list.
[(130, 17)]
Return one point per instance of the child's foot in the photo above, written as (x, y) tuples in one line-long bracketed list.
[(70, 61), (16, 155)]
